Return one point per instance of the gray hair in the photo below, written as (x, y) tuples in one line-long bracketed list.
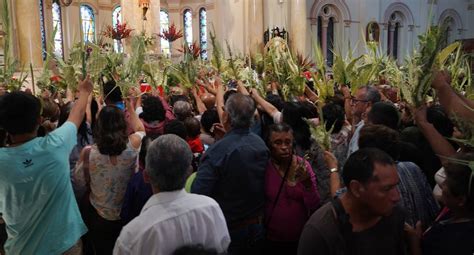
[(372, 94), (241, 109), (182, 110), (167, 162)]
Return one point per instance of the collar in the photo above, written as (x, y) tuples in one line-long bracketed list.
[(238, 131), (164, 198), (361, 123)]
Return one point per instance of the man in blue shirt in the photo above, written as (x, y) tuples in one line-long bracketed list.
[(232, 172), (36, 196)]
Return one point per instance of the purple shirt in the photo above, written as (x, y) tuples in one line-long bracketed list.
[(294, 207)]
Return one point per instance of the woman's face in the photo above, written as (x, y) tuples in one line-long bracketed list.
[(281, 144), (449, 199)]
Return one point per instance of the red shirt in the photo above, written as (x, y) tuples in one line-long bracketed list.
[(195, 144)]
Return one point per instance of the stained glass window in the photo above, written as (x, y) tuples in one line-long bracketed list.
[(42, 29), (188, 26), (88, 23), (203, 32), (57, 24), (117, 19), (164, 25)]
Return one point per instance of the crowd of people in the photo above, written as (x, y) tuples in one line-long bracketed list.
[(223, 170)]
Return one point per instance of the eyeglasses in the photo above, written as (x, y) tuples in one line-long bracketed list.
[(353, 100)]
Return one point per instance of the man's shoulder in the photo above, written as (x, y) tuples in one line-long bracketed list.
[(323, 218)]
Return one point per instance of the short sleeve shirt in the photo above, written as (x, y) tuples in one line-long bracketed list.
[(36, 196)]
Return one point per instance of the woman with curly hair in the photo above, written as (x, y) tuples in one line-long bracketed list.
[(155, 113), (105, 169)]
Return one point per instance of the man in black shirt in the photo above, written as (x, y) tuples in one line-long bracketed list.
[(232, 172), (364, 220)]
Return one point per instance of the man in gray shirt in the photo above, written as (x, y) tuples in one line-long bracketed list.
[(364, 220)]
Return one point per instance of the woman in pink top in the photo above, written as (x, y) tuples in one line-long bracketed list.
[(290, 192)]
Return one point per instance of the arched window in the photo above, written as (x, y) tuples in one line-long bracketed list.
[(396, 20), (188, 26), (88, 23), (164, 25), (203, 32), (57, 24), (326, 32), (42, 29), (117, 19), (330, 42)]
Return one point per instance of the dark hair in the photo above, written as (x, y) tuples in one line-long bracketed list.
[(110, 132), (334, 116), (193, 127), (228, 93), (194, 250), (437, 116), (175, 127), (276, 128), (360, 164), (276, 101), (380, 137), (458, 178), (338, 99), (112, 92), (152, 109), (293, 114), (208, 118), (19, 112), (51, 110), (384, 113), (143, 150)]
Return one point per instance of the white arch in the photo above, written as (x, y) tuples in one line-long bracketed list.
[(340, 5), (403, 9), (451, 13)]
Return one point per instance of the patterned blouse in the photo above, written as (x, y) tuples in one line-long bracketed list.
[(109, 181)]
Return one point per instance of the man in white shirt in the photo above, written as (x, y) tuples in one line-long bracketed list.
[(363, 99), (172, 218)]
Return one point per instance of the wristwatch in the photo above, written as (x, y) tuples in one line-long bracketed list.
[(334, 170)]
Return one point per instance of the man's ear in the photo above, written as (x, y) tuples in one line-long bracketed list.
[(356, 188)]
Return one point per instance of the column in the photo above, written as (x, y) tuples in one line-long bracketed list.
[(391, 31), (153, 16), (255, 24), (383, 37), (131, 14), (324, 37), (28, 32), (268, 21), (298, 27), (347, 37), (176, 18), (411, 45)]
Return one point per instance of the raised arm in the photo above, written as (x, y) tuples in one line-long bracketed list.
[(269, 108), (439, 144), (220, 98), (79, 109), (449, 99), (201, 107)]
